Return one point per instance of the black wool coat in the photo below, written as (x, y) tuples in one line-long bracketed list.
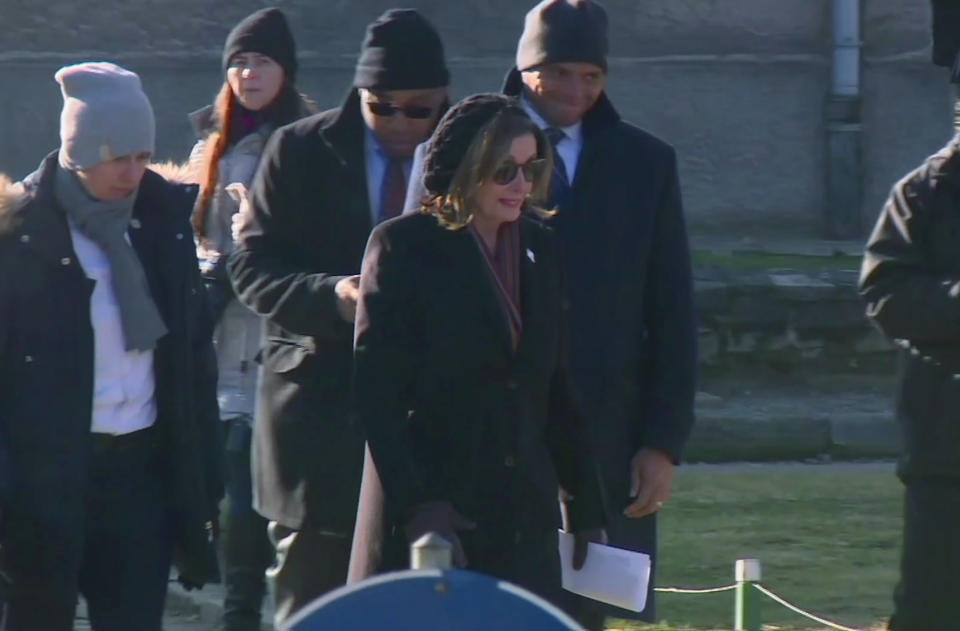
[(629, 280), (47, 374), (453, 413), (910, 281), (309, 224)]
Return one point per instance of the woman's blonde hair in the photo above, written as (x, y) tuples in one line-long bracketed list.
[(488, 151)]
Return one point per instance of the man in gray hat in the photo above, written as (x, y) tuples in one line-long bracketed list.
[(632, 328), (108, 408)]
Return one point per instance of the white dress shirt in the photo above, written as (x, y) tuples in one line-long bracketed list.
[(569, 147), (123, 383)]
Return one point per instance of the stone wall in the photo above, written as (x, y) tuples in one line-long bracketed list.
[(737, 85)]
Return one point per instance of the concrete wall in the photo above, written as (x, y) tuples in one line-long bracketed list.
[(737, 85)]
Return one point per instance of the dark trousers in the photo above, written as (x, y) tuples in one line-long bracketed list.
[(246, 551), (927, 598), (120, 562), (309, 564)]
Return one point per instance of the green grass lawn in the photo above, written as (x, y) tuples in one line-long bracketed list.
[(827, 537)]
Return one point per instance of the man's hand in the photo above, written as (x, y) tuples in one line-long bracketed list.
[(581, 543), (651, 478), (348, 292)]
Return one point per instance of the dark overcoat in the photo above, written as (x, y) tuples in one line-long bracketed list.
[(47, 375), (632, 323), (910, 281), (453, 413), (309, 226)]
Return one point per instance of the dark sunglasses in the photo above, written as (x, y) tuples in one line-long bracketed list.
[(532, 171), (418, 112)]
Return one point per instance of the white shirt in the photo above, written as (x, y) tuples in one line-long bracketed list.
[(376, 160), (123, 383), (569, 147)]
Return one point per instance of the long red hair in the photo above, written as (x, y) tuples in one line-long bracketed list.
[(216, 145)]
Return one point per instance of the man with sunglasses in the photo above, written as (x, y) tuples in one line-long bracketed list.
[(632, 327), (322, 184)]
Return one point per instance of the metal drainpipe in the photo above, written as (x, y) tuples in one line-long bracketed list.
[(843, 124)]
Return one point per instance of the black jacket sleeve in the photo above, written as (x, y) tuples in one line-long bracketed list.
[(386, 351), (669, 373), (267, 269), (204, 404), (910, 297), (566, 438)]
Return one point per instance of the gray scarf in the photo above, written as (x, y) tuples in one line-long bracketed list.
[(105, 223)]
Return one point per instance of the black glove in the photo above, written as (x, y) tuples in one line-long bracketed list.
[(443, 519), (581, 539)]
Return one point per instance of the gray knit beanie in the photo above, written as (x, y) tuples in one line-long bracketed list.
[(106, 115), (564, 31)]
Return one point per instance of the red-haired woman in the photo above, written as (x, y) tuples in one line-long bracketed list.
[(258, 95)]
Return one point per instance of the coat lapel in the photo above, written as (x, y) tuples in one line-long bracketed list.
[(477, 282), (345, 137), (531, 291), (45, 226)]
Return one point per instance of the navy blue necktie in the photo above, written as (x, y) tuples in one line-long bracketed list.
[(559, 183), (393, 191)]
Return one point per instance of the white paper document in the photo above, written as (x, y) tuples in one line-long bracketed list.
[(611, 575)]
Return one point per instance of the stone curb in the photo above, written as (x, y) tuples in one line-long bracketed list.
[(728, 439)]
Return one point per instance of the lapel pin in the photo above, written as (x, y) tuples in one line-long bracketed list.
[(530, 256)]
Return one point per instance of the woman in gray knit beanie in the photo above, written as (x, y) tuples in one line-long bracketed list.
[(109, 468)]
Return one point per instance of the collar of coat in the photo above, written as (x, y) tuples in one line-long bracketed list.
[(343, 128), (15, 196), (203, 125), (601, 116), (944, 166)]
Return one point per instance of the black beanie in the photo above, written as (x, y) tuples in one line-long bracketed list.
[(455, 133), (265, 32), (564, 31), (401, 51)]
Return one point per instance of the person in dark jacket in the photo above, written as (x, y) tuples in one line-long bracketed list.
[(910, 281), (258, 95), (108, 409), (461, 377), (321, 186), (633, 352)]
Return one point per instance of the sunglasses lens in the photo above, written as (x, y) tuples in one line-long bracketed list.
[(418, 112), (505, 173), (389, 109), (381, 109), (533, 170)]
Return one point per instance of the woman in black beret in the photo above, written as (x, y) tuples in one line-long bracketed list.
[(461, 378)]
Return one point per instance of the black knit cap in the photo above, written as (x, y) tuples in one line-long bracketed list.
[(564, 31), (265, 32), (455, 133), (401, 51)]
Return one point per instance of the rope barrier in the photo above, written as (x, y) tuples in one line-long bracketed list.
[(690, 590), (766, 592)]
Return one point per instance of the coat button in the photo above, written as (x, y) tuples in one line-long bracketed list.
[(65, 260), (25, 238), (179, 236), (509, 461), (135, 224), (28, 359)]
